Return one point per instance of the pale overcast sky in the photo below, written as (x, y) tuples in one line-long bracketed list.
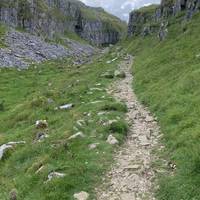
[(120, 8)]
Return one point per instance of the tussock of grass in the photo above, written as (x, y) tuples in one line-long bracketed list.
[(167, 79), (118, 127), (116, 106)]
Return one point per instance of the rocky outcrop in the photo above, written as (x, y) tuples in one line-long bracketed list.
[(141, 21), (50, 18), (153, 19)]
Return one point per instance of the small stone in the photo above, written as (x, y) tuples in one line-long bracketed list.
[(112, 121), (39, 170), (119, 74), (81, 196), (112, 140), (101, 113), (66, 106), (55, 175), (198, 56), (42, 124), (133, 167), (9, 145), (127, 196), (172, 165), (93, 146), (77, 135), (13, 194), (96, 102), (96, 89), (149, 119), (41, 136), (3, 149), (50, 101)]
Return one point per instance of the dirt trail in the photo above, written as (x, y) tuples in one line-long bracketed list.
[(131, 177)]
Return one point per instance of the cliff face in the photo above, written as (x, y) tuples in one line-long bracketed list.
[(50, 18), (153, 18), (141, 21)]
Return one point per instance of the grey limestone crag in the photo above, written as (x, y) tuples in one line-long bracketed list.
[(58, 17), (152, 19)]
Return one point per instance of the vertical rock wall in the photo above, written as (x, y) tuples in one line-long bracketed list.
[(150, 19), (53, 17)]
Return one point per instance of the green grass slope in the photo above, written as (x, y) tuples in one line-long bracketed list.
[(33, 94), (167, 79)]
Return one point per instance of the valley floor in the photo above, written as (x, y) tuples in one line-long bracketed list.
[(70, 151)]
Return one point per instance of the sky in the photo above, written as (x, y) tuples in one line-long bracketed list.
[(120, 8)]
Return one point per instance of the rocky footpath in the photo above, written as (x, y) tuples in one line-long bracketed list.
[(132, 177), (153, 19), (50, 18), (24, 49)]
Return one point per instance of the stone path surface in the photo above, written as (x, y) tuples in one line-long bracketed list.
[(132, 177)]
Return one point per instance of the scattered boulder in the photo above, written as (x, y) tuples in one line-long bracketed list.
[(112, 140), (81, 196), (10, 145), (53, 175), (77, 135), (120, 74), (41, 124)]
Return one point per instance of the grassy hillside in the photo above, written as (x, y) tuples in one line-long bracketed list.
[(167, 79), (33, 94)]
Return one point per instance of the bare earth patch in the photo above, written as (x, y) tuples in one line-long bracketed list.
[(132, 176)]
